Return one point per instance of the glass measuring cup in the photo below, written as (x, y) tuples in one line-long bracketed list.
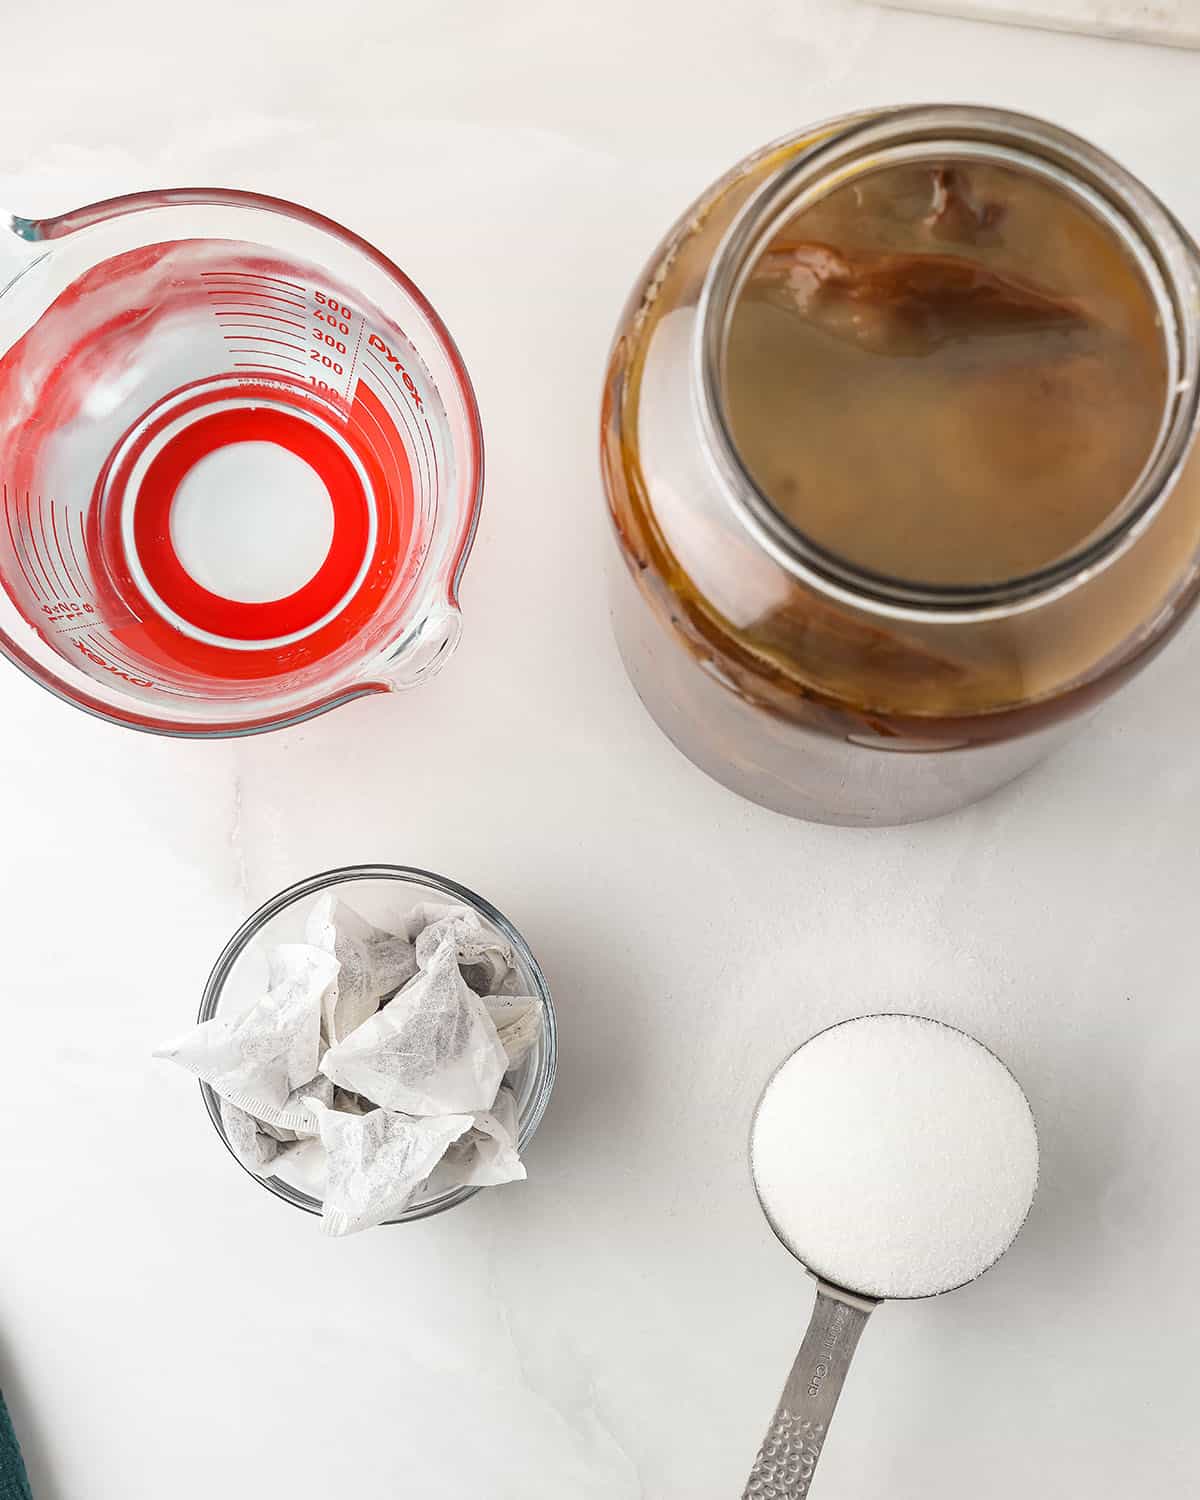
[(240, 463), (827, 1134)]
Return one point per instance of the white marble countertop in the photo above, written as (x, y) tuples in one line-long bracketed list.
[(619, 1326)]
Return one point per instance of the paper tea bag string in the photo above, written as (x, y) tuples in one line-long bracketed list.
[(257, 1062)]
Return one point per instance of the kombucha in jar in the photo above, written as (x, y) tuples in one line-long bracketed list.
[(898, 442)]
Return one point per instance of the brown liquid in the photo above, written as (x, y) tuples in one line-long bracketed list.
[(946, 376), (743, 660)]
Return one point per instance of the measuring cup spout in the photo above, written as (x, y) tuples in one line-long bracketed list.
[(425, 650)]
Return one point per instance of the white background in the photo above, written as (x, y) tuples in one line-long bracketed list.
[(620, 1326)]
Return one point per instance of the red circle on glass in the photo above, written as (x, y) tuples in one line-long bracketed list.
[(233, 619)]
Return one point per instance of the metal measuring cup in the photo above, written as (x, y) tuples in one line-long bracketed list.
[(787, 1460)]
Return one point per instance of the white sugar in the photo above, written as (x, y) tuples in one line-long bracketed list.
[(895, 1156)]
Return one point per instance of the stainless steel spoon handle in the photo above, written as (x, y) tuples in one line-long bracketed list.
[(787, 1460)]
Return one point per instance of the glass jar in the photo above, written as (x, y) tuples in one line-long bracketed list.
[(795, 676), (383, 894)]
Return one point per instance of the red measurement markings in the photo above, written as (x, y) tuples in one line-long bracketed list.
[(63, 583), (252, 318), (24, 532), (332, 321), (12, 536), (261, 339), (272, 359), (250, 276), (63, 615), (75, 579), (71, 544), (255, 314), (362, 328), (399, 373), (387, 399), (61, 592), (406, 421), (92, 645), (122, 656), (251, 337), (239, 294), (31, 534), (264, 363), (49, 571), (125, 664), (386, 447), (433, 451), (266, 354), (276, 361), (416, 437), (371, 418)]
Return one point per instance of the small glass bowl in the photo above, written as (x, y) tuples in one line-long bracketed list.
[(384, 894)]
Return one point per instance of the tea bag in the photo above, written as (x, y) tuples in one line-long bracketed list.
[(902, 303), (483, 956), (377, 1161), (253, 1145), (427, 913), (432, 1050), (350, 1104), (304, 1165), (257, 1062), (956, 213), (511, 986), (518, 1023), (373, 964), (486, 1155)]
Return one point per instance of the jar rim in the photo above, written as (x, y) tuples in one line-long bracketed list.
[(1163, 251)]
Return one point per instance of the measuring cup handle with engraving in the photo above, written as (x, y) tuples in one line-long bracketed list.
[(788, 1457)]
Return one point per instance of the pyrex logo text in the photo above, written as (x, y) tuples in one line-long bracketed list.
[(376, 342)]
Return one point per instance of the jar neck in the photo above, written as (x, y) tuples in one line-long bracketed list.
[(1164, 255)]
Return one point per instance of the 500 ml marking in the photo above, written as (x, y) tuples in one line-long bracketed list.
[(334, 319)]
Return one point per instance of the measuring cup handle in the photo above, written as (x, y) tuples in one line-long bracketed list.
[(18, 247), (788, 1457)]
